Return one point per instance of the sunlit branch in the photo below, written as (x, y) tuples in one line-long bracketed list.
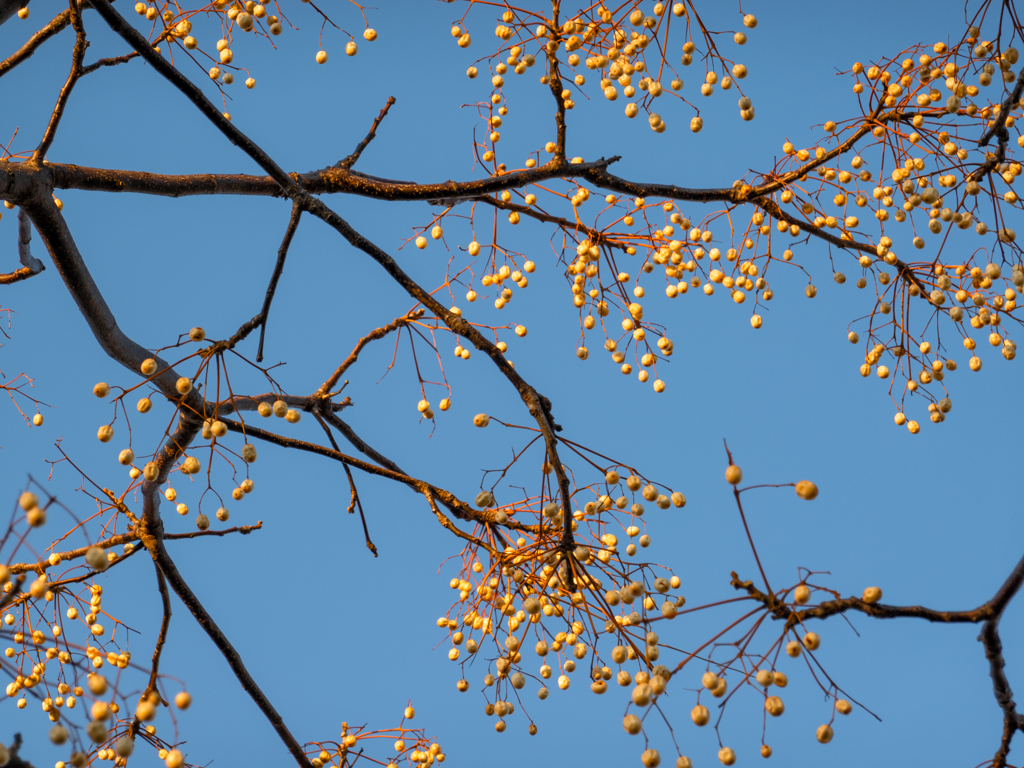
[(58, 23), (351, 160), (77, 56), (539, 406)]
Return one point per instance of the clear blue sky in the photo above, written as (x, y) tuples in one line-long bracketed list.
[(331, 633)]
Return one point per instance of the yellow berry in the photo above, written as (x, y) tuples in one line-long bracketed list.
[(700, 715), (806, 490)]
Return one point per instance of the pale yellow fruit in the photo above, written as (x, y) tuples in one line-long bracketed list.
[(700, 715), (806, 490), (872, 595)]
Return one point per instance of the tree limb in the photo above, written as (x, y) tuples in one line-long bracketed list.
[(58, 23)]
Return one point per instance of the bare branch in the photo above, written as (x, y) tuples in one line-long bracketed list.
[(539, 406), (112, 61), (120, 539), (1012, 722), (349, 161), (188, 597), (77, 56), (58, 23), (377, 333), (165, 623), (31, 265), (261, 319), (420, 486)]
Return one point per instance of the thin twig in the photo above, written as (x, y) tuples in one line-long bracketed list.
[(349, 161), (165, 623), (375, 334), (351, 483), (360, 445), (113, 61), (261, 319), (77, 56), (362, 516), (57, 23), (43, 565), (450, 500), (188, 597)]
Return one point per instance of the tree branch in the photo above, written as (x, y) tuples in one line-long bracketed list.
[(184, 592), (58, 23), (112, 61), (261, 319), (374, 335), (989, 612), (31, 265), (539, 407), (77, 56), (165, 623), (420, 486), (349, 161), (1012, 722)]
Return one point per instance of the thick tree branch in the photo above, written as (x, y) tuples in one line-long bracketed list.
[(15, 760), (325, 181)]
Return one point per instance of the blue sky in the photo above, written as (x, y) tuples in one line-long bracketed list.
[(332, 634)]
